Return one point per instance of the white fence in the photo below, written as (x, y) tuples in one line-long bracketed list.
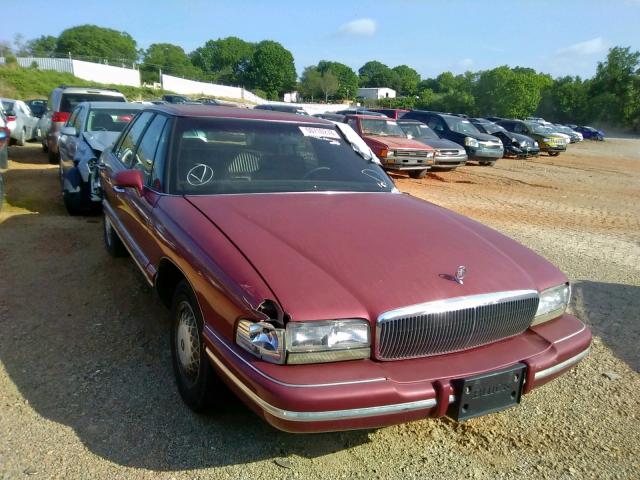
[(192, 87), (95, 72)]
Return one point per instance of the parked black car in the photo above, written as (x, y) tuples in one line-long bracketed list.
[(334, 117), (277, 107), (514, 144), (171, 98), (360, 111), (449, 155), (482, 148), (38, 106)]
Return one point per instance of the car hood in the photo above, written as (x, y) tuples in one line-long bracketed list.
[(356, 255), (394, 142), (100, 140), (484, 137), (520, 137), (441, 143)]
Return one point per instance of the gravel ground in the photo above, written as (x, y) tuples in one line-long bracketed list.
[(86, 387)]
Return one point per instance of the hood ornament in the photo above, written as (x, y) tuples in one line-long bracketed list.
[(460, 273)]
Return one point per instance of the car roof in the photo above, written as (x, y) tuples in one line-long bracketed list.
[(113, 105), (218, 111), (98, 90), (369, 117)]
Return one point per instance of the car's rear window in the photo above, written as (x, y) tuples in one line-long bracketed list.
[(224, 156), (7, 106), (70, 100), (109, 120)]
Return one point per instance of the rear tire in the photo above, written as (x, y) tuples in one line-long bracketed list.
[(112, 241), (418, 173), (22, 138), (195, 378)]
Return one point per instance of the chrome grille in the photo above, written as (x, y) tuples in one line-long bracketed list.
[(448, 152), (454, 324), (412, 153)]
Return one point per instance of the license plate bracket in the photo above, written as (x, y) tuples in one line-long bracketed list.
[(488, 393)]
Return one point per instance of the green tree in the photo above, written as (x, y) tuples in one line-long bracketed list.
[(408, 80), (169, 58), (310, 83), (225, 59), (328, 84), (376, 74), (43, 46), (615, 88), (271, 69), (508, 92), (347, 78), (90, 42), (566, 100)]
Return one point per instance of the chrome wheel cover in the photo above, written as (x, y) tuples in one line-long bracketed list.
[(188, 342)]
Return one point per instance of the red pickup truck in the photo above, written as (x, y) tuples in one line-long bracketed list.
[(392, 146)]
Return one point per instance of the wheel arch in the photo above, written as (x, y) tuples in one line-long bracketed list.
[(167, 278)]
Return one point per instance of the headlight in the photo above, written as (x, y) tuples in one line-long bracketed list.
[(262, 340), (535, 144), (470, 142), (327, 341), (553, 303), (546, 140)]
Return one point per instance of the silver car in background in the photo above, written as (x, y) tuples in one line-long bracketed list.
[(92, 127), (20, 121), (61, 103)]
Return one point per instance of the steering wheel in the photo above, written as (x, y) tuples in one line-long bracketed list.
[(315, 170)]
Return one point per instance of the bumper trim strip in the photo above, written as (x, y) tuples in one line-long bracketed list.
[(323, 416), (569, 362)]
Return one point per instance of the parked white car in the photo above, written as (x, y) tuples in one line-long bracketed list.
[(20, 121)]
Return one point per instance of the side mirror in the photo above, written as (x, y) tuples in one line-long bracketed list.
[(129, 179), (69, 131)]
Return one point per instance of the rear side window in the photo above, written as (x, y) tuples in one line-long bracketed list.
[(127, 146), (70, 100)]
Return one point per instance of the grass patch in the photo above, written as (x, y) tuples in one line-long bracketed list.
[(25, 83)]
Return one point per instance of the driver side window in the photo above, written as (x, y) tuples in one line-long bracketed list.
[(126, 150)]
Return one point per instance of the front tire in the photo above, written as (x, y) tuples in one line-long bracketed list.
[(554, 154), (487, 164), (418, 173), (112, 241), (194, 374)]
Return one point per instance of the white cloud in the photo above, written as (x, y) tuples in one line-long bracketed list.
[(588, 47), (466, 63), (364, 27)]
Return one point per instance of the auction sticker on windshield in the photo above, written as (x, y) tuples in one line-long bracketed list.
[(319, 132)]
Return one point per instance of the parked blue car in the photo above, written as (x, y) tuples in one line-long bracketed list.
[(590, 133)]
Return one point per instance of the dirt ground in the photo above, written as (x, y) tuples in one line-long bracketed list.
[(86, 387)]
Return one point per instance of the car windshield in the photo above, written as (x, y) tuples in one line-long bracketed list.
[(461, 125), (109, 120), (222, 156), (382, 127), (541, 129), (492, 128), (70, 100), (419, 130)]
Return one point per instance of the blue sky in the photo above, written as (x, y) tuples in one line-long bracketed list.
[(561, 37)]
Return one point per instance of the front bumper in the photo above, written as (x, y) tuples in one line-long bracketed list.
[(550, 147), (369, 394), (449, 160), (484, 153), (521, 152)]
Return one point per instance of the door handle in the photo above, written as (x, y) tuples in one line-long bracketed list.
[(117, 189)]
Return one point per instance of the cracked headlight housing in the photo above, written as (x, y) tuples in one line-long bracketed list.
[(327, 341), (553, 303)]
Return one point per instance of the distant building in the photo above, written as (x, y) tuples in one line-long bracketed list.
[(291, 97), (377, 92)]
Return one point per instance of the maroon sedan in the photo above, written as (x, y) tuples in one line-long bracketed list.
[(325, 299)]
